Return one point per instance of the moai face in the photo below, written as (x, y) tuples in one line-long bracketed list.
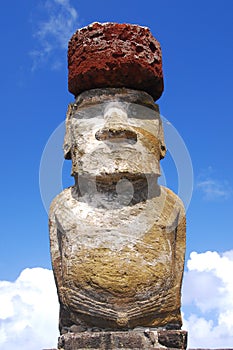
[(114, 137)]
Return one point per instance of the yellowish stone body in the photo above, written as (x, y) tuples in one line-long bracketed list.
[(117, 237)]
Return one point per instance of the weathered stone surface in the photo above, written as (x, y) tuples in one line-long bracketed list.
[(173, 339), (115, 55), (137, 340), (117, 237)]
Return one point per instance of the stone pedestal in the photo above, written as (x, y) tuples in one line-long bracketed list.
[(135, 339)]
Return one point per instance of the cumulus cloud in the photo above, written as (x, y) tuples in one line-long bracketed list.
[(29, 306), (208, 300), (53, 31), (29, 311)]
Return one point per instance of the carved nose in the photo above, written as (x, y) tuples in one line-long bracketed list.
[(116, 135)]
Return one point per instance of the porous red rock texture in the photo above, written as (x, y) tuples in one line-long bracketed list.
[(115, 55)]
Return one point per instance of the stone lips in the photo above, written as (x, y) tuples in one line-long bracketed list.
[(115, 55)]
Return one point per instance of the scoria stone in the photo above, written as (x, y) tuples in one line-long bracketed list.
[(117, 237), (115, 55)]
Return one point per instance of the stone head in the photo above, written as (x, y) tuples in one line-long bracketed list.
[(114, 132)]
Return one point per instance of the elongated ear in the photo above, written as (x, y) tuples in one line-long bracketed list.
[(67, 139), (162, 145)]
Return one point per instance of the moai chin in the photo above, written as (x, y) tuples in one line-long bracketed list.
[(117, 237)]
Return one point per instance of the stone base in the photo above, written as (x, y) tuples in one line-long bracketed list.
[(135, 339)]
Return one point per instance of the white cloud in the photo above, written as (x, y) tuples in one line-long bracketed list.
[(29, 306), (211, 188), (214, 189), (29, 311), (208, 300), (53, 33)]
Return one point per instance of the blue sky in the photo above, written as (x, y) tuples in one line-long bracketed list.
[(196, 39)]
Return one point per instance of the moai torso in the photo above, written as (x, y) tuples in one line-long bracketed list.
[(117, 237)]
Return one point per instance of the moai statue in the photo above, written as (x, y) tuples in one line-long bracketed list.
[(117, 237)]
